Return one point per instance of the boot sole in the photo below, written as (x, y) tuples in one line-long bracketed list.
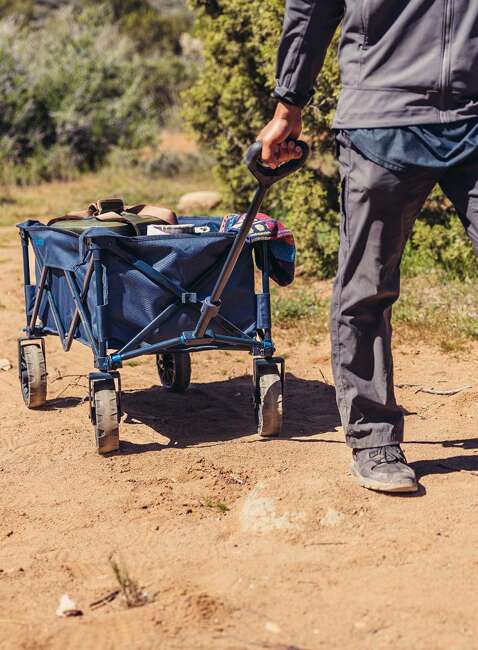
[(379, 486)]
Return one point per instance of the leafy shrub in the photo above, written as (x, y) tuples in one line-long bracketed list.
[(149, 24), (288, 309), (170, 163), (77, 87), (231, 101)]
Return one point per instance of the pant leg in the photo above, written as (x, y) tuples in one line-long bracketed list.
[(460, 184), (379, 208)]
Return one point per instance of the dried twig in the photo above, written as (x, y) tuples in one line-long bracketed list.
[(452, 391), (408, 385), (433, 391), (73, 384), (105, 600), (60, 376)]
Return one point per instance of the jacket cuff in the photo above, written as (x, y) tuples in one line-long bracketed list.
[(292, 97)]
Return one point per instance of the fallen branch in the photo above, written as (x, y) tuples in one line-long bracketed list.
[(452, 391), (408, 385), (433, 391), (73, 384), (105, 600), (60, 376)]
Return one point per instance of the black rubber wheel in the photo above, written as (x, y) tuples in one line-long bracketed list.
[(106, 416), (268, 400), (174, 370), (33, 374)]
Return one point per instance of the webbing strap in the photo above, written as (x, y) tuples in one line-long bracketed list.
[(143, 210), (115, 210), (108, 216)]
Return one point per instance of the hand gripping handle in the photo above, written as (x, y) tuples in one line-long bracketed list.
[(267, 176)]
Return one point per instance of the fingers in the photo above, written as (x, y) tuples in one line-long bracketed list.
[(287, 150), (276, 146), (273, 137), (293, 150), (270, 152), (274, 154), (290, 151)]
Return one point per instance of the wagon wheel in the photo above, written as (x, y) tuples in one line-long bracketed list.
[(33, 374), (268, 400), (174, 369), (106, 415)]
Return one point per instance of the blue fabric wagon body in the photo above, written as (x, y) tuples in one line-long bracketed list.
[(131, 299)]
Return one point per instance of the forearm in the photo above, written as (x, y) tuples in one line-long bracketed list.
[(309, 26)]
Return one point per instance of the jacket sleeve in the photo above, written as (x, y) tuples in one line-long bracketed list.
[(309, 26)]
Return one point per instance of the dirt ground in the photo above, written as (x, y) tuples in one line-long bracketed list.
[(240, 543)]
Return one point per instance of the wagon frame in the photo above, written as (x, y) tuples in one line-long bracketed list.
[(172, 354)]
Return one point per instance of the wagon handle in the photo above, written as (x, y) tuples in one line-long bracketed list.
[(267, 176)]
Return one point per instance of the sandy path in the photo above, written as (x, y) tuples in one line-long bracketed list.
[(303, 559)]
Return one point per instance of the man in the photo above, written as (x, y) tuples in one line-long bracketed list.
[(407, 118)]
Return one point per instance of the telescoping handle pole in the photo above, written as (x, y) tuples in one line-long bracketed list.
[(266, 177)]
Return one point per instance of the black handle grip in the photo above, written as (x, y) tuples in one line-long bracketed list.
[(267, 176)]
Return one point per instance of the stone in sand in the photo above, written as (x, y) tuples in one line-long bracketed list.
[(199, 201)]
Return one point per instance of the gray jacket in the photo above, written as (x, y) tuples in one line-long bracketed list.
[(402, 62)]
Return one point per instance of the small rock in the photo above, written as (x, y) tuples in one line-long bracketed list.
[(272, 627), (198, 200), (331, 518), (67, 607), (5, 364)]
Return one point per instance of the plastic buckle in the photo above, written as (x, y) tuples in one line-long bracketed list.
[(110, 205)]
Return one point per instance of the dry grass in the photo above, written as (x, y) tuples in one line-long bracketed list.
[(53, 199), (432, 309), (220, 506), (132, 593), (438, 311)]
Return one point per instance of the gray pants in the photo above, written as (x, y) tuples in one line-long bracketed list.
[(379, 208)]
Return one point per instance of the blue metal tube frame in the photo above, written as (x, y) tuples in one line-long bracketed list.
[(75, 294), (24, 238), (76, 318), (181, 343)]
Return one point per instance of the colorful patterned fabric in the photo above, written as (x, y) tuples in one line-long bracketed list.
[(281, 244)]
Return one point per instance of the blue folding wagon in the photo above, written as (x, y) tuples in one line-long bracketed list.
[(126, 294)]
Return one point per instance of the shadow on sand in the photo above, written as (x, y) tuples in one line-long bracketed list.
[(222, 410)]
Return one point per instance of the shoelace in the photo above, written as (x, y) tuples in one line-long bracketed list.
[(390, 454)]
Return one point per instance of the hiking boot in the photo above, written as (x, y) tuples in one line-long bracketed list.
[(384, 469)]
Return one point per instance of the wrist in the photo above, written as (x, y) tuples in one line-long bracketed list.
[(286, 110)]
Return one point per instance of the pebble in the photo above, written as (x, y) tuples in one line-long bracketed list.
[(272, 627), (5, 364), (199, 200), (67, 607)]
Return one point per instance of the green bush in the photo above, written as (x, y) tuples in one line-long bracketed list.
[(231, 101), (170, 163), (288, 310), (76, 87), (150, 24)]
